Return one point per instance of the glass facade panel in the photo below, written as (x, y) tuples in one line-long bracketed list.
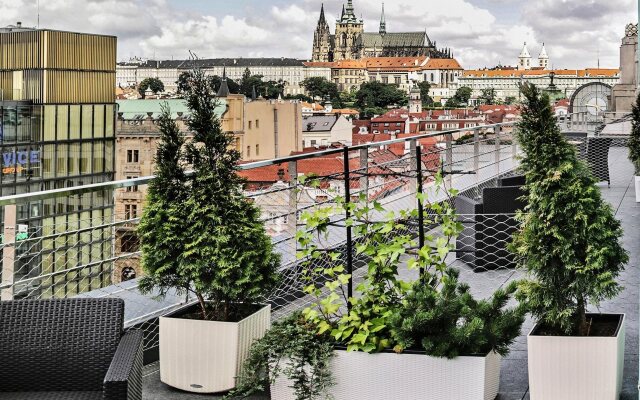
[(74, 122), (98, 121), (62, 123)]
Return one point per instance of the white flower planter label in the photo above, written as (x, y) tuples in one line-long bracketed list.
[(206, 356), (576, 368), (386, 376)]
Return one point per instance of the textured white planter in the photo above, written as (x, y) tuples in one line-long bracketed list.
[(388, 376), (570, 367), (637, 189), (206, 356)]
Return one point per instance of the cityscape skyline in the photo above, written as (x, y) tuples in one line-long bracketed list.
[(481, 33)]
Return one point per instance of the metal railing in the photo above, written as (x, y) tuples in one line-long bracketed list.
[(76, 253)]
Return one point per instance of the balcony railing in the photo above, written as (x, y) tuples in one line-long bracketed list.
[(80, 253)]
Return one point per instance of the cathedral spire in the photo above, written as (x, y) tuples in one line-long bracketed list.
[(322, 19), (224, 86), (383, 22)]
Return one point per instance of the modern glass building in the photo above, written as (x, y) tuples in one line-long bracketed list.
[(57, 114)]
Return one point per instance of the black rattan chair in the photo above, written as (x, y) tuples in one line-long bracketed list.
[(68, 349), (488, 225)]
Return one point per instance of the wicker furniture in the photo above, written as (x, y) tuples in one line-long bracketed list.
[(488, 225), (68, 349)]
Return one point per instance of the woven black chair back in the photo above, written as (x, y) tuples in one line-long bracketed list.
[(58, 345)]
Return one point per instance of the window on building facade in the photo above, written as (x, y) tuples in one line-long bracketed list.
[(257, 150), (133, 156), (129, 243), (130, 211), (132, 188), (250, 122), (257, 124), (385, 79), (398, 80), (248, 151)]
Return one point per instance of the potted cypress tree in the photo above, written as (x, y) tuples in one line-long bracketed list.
[(200, 235), (569, 243), (634, 145)]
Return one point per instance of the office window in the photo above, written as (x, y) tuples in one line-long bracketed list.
[(133, 156)]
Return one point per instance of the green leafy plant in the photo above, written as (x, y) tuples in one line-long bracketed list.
[(290, 349), (195, 229), (569, 240), (385, 243), (634, 140), (444, 319)]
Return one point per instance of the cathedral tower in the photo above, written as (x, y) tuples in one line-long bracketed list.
[(348, 39), (322, 40), (543, 58), (524, 60)]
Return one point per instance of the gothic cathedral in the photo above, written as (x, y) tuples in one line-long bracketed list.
[(351, 42)]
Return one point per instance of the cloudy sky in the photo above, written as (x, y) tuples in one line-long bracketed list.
[(480, 32)]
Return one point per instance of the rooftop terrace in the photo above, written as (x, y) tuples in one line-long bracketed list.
[(470, 163)]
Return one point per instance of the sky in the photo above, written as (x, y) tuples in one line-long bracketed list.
[(481, 33)]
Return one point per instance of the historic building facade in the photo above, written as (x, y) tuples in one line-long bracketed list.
[(351, 42)]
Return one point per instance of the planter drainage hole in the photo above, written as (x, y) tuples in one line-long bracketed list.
[(196, 386)]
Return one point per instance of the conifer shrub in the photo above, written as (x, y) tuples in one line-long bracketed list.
[(634, 140), (569, 239), (199, 233)]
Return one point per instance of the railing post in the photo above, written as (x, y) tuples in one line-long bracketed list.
[(498, 131), (292, 219), (347, 199), (514, 143), (413, 187), (448, 160), (476, 153), (8, 252), (421, 240), (364, 170)]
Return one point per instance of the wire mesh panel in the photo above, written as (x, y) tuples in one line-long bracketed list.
[(98, 254)]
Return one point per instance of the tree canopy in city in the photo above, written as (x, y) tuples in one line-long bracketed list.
[(153, 84), (379, 95)]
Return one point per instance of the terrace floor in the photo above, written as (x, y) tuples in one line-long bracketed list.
[(514, 380)]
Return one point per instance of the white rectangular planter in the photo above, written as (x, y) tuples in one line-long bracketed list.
[(637, 189), (206, 356), (387, 376), (576, 368)]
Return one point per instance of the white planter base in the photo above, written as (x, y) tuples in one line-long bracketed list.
[(206, 356), (388, 376), (576, 368), (637, 179)]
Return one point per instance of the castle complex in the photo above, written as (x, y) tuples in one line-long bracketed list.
[(351, 42)]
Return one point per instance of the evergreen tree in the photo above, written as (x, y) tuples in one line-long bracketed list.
[(163, 223), (224, 256), (569, 238), (634, 140)]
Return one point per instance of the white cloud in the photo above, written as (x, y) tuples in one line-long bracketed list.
[(573, 30)]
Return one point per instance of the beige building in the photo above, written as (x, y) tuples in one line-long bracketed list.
[(263, 129)]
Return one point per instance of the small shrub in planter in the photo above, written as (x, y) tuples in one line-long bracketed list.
[(569, 243), (374, 322), (200, 235), (444, 320)]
